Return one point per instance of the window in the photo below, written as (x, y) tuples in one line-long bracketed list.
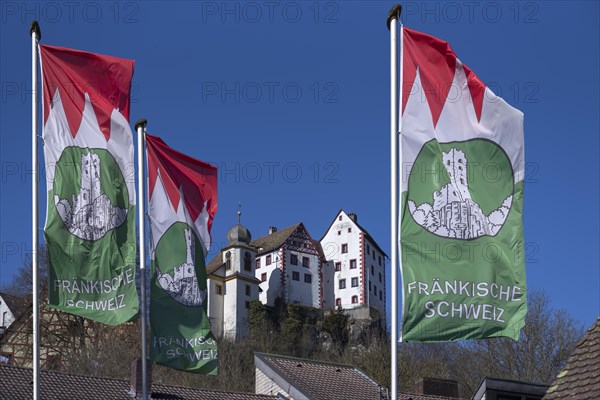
[(307, 278), (257, 263), (263, 277), (373, 254), (268, 260), (7, 358), (353, 264), (342, 284), (354, 282), (340, 218), (248, 290), (295, 275), (372, 270), (349, 230), (228, 261), (380, 277), (375, 289), (339, 233), (368, 249), (379, 260), (338, 302), (219, 289), (354, 299), (305, 262), (294, 259), (344, 248), (338, 266), (247, 304), (247, 262), (380, 295)]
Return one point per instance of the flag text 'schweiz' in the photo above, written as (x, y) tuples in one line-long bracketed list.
[(88, 148), (182, 194), (463, 267)]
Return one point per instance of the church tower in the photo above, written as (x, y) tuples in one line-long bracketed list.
[(240, 285)]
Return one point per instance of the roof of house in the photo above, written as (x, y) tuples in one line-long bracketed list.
[(275, 240), (508, 386), (319, 380), (214, 264), (16, 304), (415, 396), (580, 379), (364, 231), (16, 384), (265, 244)]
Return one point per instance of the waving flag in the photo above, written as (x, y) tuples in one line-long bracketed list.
[(182, 194), (90, 222), (463, 269)]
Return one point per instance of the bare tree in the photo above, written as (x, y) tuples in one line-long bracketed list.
[(547, 340), (22, 282)]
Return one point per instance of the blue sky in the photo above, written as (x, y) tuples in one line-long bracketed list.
[(291, 101)]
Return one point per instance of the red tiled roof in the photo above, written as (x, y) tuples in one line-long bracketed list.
[(16, 383), (580, 379)]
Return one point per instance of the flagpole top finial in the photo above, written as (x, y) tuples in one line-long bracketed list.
[(141, 123), (35, 27), (239, 213), (395, 12)]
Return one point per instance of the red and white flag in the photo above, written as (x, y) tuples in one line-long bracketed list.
[(182, 194), (462, 171), (88, 148)]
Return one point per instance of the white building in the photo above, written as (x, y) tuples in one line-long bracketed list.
[(232, 284), (289, 264), (346, 269), (357, 264), (10, 309)]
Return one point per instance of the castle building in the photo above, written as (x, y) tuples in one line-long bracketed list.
[(289, 264), (345, 269), (357, 264)]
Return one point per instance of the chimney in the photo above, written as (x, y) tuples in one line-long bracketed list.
[(437, 387), (353, 217), (272, 229), (135, 388)]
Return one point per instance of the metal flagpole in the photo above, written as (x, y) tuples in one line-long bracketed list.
[(140, 127), (36, 35), (392, 23)]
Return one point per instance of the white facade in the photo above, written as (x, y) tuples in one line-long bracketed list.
[(268, 267), (302, 278), (358, 265), (292, 270), (6, 315), (231, 288)]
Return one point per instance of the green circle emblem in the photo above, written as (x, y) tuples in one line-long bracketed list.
[(461, 190)]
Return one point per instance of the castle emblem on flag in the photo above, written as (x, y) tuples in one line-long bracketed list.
[(453, 213), (90, 214), (182, 284)]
